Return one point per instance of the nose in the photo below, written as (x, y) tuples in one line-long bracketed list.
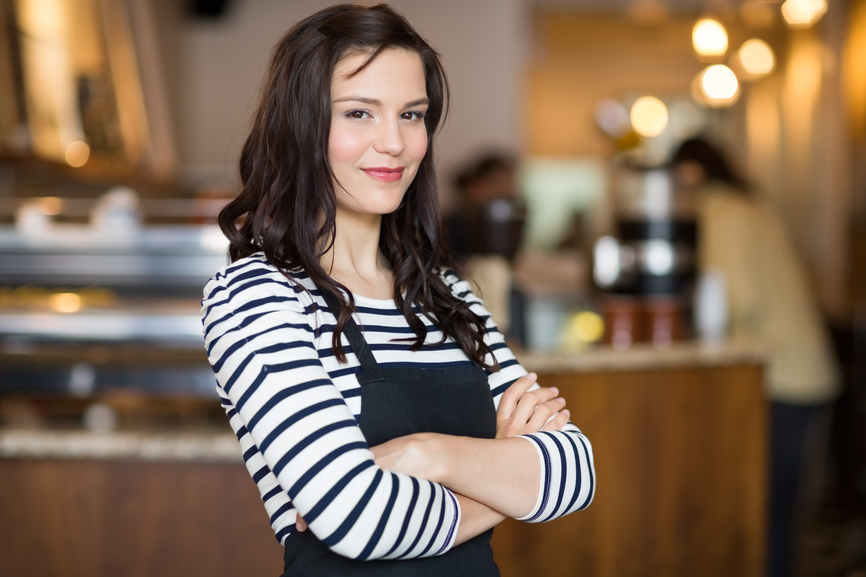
[(389, 139)]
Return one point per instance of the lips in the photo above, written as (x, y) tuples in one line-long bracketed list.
[(384, 174)]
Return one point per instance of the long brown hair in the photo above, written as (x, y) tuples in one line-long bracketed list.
[(287, 206)]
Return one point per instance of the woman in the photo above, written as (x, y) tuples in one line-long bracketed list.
[(770, 301), (361, 376)]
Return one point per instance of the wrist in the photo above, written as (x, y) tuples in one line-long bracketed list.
[(433, 451)]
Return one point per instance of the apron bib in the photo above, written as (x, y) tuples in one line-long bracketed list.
[(394, 403)]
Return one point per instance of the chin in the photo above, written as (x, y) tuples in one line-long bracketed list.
[(376, 201), (389, 210), (386, 206)]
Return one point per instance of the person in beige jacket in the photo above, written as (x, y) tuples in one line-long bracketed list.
[(770, 302)]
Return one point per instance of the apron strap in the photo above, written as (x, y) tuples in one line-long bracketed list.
[(371, 372)]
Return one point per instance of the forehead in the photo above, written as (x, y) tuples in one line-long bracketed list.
[(392, 66)]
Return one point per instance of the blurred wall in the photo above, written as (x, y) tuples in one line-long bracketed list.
[(214, 68)]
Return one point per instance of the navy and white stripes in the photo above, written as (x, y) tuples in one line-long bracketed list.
[(295, 411)]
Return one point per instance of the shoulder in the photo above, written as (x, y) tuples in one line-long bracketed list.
[(252, 281), (255, 269)]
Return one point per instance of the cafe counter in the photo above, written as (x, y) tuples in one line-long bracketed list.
[(679, 437)]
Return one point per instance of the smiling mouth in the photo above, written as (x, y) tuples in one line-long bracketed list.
[(384, 174)]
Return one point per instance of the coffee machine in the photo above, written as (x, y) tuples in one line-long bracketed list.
[(646, 270)]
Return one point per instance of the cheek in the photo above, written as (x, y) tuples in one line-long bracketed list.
[(344, 147), (417, 146)]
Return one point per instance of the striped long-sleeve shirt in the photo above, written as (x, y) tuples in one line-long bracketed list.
[(295, 411)]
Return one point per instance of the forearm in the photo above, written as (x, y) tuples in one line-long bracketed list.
[(475, 518), (503, 474)]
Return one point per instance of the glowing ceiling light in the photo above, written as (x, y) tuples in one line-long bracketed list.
[(756, 57), (799, 13), (719, 85), (77, 153), (649, 116), (709, 38), (819, 7)]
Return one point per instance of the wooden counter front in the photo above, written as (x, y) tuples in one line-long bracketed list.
[(680, 443), (681, 464), (108, 518)]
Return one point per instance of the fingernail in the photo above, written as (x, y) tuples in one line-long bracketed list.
[(560, 399), (566, 412), (555, 390)]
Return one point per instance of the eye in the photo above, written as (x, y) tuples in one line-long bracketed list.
[(357, 114), (414, 115)]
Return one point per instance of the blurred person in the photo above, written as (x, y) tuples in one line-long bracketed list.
[(386, 423), (769, 300), (483, 234), (488, 178)]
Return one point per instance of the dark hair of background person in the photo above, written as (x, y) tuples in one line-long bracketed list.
[(710, 159), (477, 183), (287, 205), (482, 169)]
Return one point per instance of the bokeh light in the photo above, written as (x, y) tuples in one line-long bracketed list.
[(606, 261), (50, 205), (77, 153), (588, 326), (756, 57), (658, 257), (612, 117), (649, 116), (803, 13), (819, 7), (719, 85), (64, 302), (709, 38)]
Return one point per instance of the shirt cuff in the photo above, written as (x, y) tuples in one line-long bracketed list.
[(452, 534), (543, 481)]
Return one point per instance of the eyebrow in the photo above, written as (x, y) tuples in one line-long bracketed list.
[(374, 102)]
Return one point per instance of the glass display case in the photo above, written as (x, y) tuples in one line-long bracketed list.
[(85, 310)]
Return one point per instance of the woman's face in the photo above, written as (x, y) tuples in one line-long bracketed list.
[(378, 136)]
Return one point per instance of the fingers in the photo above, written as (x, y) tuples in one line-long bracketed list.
[(531, 401), (558, 422), (545, 412), (513, 394), (300, 524)]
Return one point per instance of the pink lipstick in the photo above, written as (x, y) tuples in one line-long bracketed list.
[(384, 174)]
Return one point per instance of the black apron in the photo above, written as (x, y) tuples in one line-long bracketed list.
[(394, 403)]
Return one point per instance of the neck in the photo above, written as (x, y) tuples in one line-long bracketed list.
[(354, 259)]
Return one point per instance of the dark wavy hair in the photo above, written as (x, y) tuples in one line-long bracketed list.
[(287, 206)]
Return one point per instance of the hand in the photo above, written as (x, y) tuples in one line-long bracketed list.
[(407, 455), (522, 411), (300, 524)]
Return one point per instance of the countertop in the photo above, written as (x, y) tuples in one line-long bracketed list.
[(222, 446), (644, 357), (205, 447)]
